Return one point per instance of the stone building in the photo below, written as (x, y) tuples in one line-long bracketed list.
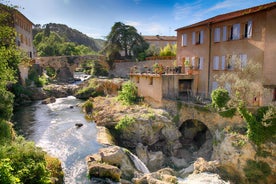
[(210, 47), (23, 27)]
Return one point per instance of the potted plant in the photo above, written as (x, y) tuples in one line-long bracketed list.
[(187, 66), (158, 68)]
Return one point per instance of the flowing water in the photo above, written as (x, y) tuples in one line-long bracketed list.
[(52, 127)]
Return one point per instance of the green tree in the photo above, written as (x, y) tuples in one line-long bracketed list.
[(123, 38), (168, 50)]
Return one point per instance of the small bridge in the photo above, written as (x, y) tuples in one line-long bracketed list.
[(68, 64), (188, 111)]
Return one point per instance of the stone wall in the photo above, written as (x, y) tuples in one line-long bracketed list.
[(122, 69)]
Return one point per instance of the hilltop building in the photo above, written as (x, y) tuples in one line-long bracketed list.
[(210, 48)]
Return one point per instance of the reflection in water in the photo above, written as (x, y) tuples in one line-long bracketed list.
[(52, 127)]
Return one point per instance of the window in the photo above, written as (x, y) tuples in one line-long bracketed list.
[(217, 35), (248, 29), (200, 64), (184, 39), (197, 37), (224, 33), (223, 62), (216, 63)]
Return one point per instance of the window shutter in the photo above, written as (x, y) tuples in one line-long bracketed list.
[(249, 29), (214, 85), (224, 33), (236, 31), (223, 62), (193, 38), (201, 37), (184, 39), (217, 35), (243, 58), (201, 63), (193, 62), (216, 63)]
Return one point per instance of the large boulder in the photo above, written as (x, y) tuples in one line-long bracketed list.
[(115, 156), (101, 170)]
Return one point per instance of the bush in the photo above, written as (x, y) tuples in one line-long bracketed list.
[(26, 162), (54, 166), (7, 133), (220, 98), (256, 172), (129, 93), (88, 107), (124, 123)]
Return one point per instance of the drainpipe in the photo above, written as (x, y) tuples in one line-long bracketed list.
[(209, 55)]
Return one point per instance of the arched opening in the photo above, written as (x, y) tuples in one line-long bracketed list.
[(196, 141)]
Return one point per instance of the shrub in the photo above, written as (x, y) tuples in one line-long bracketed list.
[(129, 93), (6, 176), (124, 123), (88, 106), (256, 172), (220, 98), (26, 161), (54, 166), (7, 133)]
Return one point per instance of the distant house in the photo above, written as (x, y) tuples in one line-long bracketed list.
[(160, 41), (23, 27), (210, 47)]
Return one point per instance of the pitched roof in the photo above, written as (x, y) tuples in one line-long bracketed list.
[(158, 38), (232, 15), (14, 11)]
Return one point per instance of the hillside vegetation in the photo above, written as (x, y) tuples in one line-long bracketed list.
[(59, 39)]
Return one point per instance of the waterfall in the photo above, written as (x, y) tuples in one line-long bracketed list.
[(138, 163)]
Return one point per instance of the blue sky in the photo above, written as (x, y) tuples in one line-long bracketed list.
[(150, 17)]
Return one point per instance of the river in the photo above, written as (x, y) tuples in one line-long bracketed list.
[(52, 127)]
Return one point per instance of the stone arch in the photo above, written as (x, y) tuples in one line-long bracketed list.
[(196, 140)]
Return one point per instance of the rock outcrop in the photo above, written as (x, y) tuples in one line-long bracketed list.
[(114, 156)]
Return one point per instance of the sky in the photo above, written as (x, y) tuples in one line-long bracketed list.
[(95, 18)]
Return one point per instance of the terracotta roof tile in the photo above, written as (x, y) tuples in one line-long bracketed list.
[(158, 38)]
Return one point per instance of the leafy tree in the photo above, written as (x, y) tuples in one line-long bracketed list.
[(168, 50), (123, 38), (152, 51)]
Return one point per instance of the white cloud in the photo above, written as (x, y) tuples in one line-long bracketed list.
[(132, 23)]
